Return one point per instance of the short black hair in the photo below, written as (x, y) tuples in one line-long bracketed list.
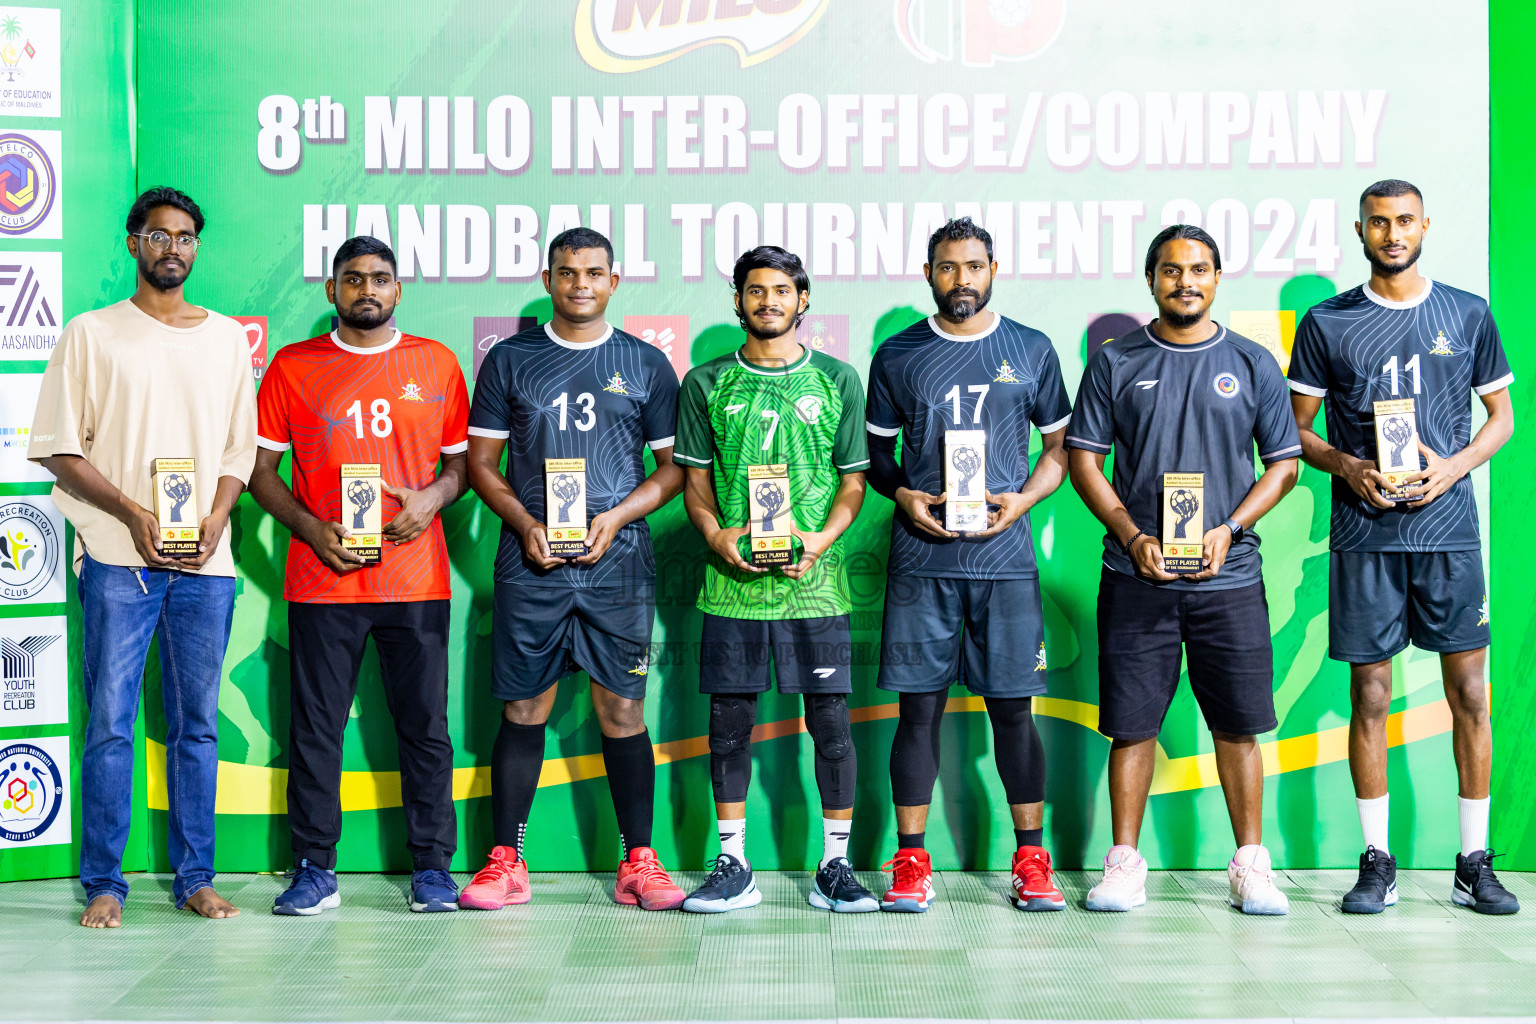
[(958, 230), (1176, 231), (770, 257), (1391, 188), (577, 239), (152, 198), (362, 245)]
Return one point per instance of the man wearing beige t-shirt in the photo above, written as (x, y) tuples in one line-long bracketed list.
[(152, 377)]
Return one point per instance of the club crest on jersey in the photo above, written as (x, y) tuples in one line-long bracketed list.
[(808, 408), (1040, 659), (1006, 375), (412, 391), (1482, 612), (643, 666), (1226, 385), (1442, 346), (616, 385)]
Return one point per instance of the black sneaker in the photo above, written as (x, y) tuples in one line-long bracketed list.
[(836, 889), (1376, 889), (1477, 887), (728, 887)]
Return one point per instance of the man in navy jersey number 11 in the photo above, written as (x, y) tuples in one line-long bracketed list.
[(1406, 564)]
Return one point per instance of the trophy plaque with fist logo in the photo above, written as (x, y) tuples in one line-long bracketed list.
[(362, 494), (1183, 522), (565, 507), (965, 480), (772, 537), (1397, 445), (175, 482)]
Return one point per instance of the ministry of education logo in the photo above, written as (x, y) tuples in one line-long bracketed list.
[(1226, 385), (1442, 346), (1006, 375), (412, 391), (617, 385), (1482, 612), (31, 791), (28, 184), (1040, 658), (29, 550), (643, 664)]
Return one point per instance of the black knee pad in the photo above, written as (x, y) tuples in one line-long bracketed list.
[(731, 719), (837, 763)]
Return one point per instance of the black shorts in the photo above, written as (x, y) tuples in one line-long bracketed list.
[(808, 655), (1379, 601), (1143, 631), (987, 634), (539, 634)]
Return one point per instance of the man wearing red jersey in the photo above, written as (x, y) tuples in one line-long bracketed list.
[(365, 393)]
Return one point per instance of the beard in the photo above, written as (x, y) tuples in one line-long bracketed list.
[(787, 324), (1393, 269), (364, 318), (959, 304), (1180, 320), (163, 279)]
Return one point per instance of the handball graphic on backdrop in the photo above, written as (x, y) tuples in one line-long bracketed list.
[(691, 132)]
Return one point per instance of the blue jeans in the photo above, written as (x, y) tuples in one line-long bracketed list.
[(123, 609)]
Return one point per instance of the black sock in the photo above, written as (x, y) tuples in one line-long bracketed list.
[(1029, 837), (631, 768), (914, 841), (516, 760)]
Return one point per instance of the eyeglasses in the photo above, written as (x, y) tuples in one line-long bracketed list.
[(160, 241)]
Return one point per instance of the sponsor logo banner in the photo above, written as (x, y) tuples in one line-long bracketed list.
[(34, 672), (34, 791), (256, 340), (1275, 329), (668, 333), (825, 332), (29, 62), (31, 551), (18, 401), (619, 36), (491, 329), (31, 303), (978, 33), (31, 204)]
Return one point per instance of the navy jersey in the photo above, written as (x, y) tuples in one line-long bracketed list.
[(1167, 408), (1356, 349), (604, 402), (923, 382)]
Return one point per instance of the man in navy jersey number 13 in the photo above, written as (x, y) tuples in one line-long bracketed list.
[(1406, 565)]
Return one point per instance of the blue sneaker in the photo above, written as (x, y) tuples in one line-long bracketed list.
[(433, 891), (310, 891)]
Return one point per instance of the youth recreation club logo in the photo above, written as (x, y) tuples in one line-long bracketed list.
[(28, 183), (978, 33), (31, 791), (620, 36)]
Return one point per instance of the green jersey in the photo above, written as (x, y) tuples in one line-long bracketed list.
[(733, 414)]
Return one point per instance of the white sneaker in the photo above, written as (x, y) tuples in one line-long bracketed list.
[(1253, 883), (1125, 881)]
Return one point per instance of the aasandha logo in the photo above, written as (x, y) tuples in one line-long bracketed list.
[(978, 33), (619, 36)]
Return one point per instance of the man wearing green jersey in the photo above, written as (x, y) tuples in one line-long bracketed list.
[(774, 403)]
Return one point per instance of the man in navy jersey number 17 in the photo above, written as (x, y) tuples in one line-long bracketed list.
[(1405, 564)]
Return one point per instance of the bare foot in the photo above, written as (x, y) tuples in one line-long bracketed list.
[(104, 912), (207, 903)]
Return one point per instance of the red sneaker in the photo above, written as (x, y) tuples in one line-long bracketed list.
[(503, 882), (1034, 885), (643, 881), (911, 882)]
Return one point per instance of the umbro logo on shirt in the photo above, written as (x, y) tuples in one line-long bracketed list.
[(1147, 385)]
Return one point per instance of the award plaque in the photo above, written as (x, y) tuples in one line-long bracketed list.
[(175, 485), (565, 506), (965, 480), (361, 513), (1183, 522), (772, 522), (1397, 445)]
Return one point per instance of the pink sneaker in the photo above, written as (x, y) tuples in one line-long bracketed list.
[(503, 882), (643, 881)]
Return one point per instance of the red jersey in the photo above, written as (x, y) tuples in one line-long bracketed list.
[(401, 405)]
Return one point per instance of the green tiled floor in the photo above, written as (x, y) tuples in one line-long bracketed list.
[(572, 955)]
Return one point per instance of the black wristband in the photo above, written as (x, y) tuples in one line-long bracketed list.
[(1126, 547)]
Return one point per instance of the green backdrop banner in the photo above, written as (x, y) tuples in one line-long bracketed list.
[(467, 134)]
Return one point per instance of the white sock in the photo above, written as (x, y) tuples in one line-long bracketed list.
[(733, 837), (1474, 824), (834, 839), (1373, 821)]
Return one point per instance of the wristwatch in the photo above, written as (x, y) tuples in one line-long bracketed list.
[(1236, 527)]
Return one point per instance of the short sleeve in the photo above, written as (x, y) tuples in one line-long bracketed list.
[(1274, 429), (240, 444), (1092, 425), (456, 412), (695, 439), (272, 409), (1490, 366), (60, 423), (658, 416), (850, 449), (490, 415), (1309, 360), (1053, 409), (882, 417)]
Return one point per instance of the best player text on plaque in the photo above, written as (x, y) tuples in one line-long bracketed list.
[(1397, 445), (1183, 522), (175, 483), (965, 480), (565, 507), (770, 537), (362, 513)]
